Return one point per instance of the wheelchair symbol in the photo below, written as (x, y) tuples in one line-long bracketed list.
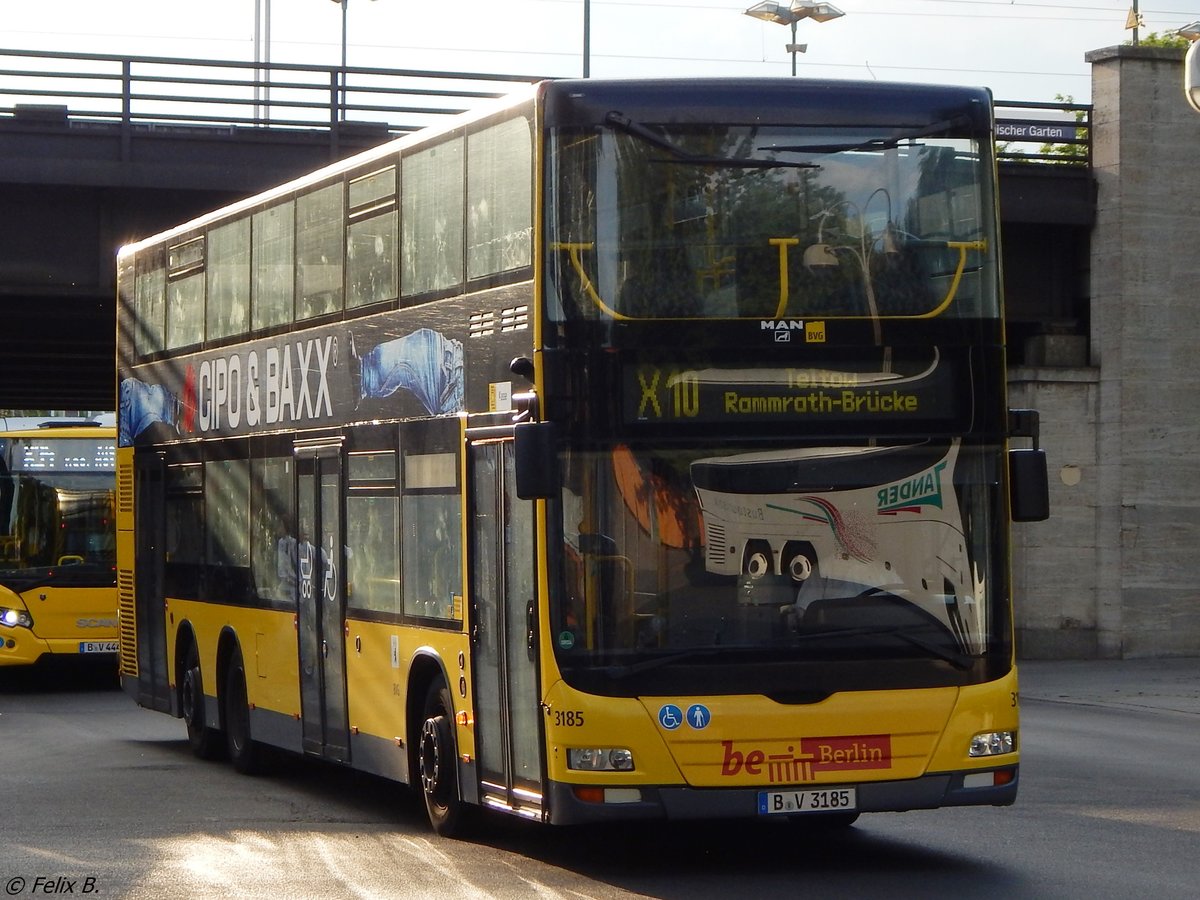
[(670, 716)]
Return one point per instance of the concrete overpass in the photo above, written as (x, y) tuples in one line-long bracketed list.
[(97, 150)]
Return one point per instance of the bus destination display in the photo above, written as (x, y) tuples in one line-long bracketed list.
[(667, 393), (61, 455)]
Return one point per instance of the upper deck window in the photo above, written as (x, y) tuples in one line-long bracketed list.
[(319, 223), (432, 217), (649, 221), (229, 279), (499, 199), (371, 239), (185, 293), (273, 251), (150, 303)]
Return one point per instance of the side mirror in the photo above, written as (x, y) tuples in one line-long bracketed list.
[(535, 459), (1028, 485)]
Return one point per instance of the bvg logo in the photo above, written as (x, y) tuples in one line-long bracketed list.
[(821, 754)]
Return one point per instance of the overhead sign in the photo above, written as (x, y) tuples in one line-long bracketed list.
[(1046, 132)]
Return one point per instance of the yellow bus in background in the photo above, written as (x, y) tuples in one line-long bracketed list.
[(58, 583), (625, 450)]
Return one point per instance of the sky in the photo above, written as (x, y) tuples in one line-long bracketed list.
[(1024, 50)]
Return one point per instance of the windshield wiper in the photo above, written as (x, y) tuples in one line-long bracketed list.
[(954, 657), (650, 136), (654, 662), (878, 143), (904, 633)]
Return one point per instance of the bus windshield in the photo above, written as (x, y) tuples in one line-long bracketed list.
[(720, 221), (869, 553), (56, 502)]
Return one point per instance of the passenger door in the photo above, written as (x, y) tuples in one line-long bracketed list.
[(501, 560), (321, 602), (149, 632)]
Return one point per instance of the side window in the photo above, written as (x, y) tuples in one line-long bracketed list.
[(431, 509), (273, 543), (371, 239), (499, 199), (183, 541), (373, 532), (150, 288), (432, 206), (319, 223), (227, 515), (229, 279), (273, 234), (185, 293)]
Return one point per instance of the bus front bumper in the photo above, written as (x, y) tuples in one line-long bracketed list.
[(674, 802), (21, 647)]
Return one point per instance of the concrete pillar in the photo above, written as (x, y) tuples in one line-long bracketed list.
[(1145, 328)]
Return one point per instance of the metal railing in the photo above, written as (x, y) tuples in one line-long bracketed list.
[(1047, 133), (46, 87), (147, 90)]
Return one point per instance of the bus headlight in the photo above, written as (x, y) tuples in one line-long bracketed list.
[(15, 617), (993, 743), (600, 759)]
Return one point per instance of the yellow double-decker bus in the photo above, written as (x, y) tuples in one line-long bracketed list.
[(623, 450), (58, 581)]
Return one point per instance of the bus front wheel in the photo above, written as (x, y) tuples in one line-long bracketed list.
[(439, 764), (204, 740), (758, 561)]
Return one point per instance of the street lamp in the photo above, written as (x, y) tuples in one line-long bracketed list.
[(342, 104), (262, 55), (790, 14), (587, 38)]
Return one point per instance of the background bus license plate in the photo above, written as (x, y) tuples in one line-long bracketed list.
[(97, 646), (816, 800)]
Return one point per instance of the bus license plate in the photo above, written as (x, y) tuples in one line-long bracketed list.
[(816, 800), (97, 646)]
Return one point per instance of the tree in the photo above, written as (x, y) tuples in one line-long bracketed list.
[(1170, 39), (1069, 153)]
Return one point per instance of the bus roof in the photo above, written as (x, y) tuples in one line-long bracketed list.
[(580, 101), (45, 423), (365, 157), (763, 101)]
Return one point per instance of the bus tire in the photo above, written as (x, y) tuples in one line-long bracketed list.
[(205, 741), (758, 561), (245, 753), (438, 764)]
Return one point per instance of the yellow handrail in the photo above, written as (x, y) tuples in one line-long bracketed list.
[(573, 251), (962, 247)]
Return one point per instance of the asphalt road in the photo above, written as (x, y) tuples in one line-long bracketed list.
[(100, 798)]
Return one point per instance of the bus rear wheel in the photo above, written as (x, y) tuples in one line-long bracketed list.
[(244, 752), (205, 741), (438, 764)]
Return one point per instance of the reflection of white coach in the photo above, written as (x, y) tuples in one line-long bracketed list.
[(862, 518)]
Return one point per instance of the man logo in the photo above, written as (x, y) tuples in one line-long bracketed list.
[(814, 332)]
